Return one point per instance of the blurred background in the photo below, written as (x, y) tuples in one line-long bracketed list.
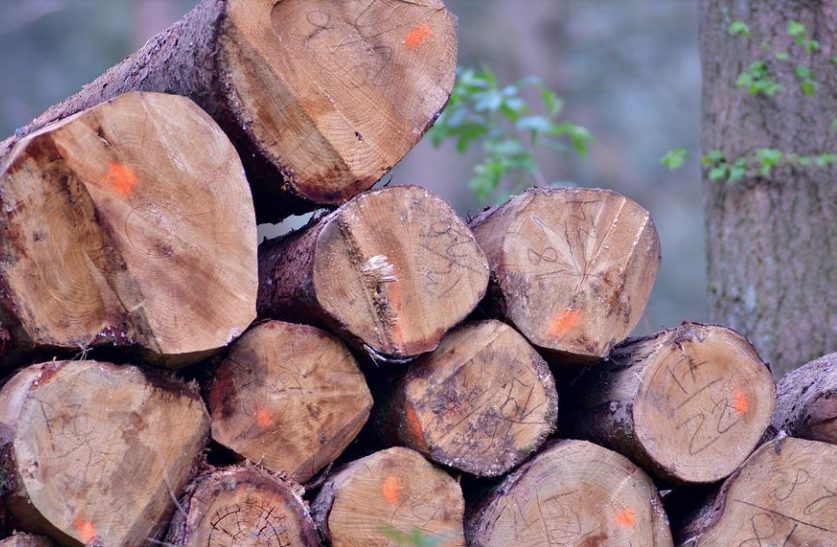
[(628, 70)]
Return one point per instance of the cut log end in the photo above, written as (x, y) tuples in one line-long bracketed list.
[(234, 507), (806, 405), (26, 540), (785, 494), (393, 292), (573, 268), (320, 67), (573, 493), (481, 402), (96, 451), (393, 497), (289, 397), (119, 221)]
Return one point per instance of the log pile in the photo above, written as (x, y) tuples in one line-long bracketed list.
[(390, 374)]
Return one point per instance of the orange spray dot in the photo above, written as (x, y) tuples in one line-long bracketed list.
[(417, 36), (263, 418), (740, 402), (390, 489), (626, 517), (565, 322), (120, 179), (85, 529)]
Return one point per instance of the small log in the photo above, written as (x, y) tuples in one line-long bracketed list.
[(393, 497), (96, 452), (482, 402), (19, 539), (572, 269), (572, 493), (391, 271), (321, 98), (785, 494), (117, 223), (233, 507), (289, 397), (688, 404), (806, 405)]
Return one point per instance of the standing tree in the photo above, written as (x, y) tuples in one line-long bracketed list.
[(770, 136)]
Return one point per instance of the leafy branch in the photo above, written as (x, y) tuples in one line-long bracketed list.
[(510, 130)]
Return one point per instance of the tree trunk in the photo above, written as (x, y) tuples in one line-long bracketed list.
[(772, 239), (571, 269), (242, 507), (572, 493), (95, 452), (785, 494), (289, 397), (807, 401), (321, 98), (117, 223), (393, 497), (391, 271), (688, 404), (482, 402)]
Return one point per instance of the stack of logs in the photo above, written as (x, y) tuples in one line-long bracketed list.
[(387, 375)]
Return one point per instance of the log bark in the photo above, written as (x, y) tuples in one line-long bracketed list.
[(19, 539), (785, 494), (772, 261), (806, 405), (688, 404), (572, 493), (393, 497), (289, 397), (96, 452), (116, 224), (572, 269), (482, 402), (235, 507), (321, 98), (391, 271)]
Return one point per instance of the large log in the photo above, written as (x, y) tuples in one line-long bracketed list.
[(236, 507), (290, 397), (321, 97), (688, 404), (572, 269), (96, 452), (391, 271), (19, 539), (482, 402), (806, 405), (393, 497), (117, 224), (573, 493), (785, 494)]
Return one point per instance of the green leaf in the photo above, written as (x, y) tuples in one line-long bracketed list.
[(581, 139), (537, 124), (739, 28), (718, 174), (808, 88), (675, 159), (713, 157), (552, 102), (795, 29), (803, 72), (782, 56)]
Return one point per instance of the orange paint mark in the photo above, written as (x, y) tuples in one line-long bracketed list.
[(85, 530), (626, 517), (121, 179), (565, 322), (390, 489), (417, 36), (740, 402), (414, 428), (263, 418)]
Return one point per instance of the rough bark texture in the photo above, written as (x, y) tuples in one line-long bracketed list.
[(571, 269), (772, 240), (320, 97), (688, 404), (784, 494), (806, 405), (95, 452), (572, 493), (115, 226), (391, 271), (246, 507), (289, 397), (393, 497), (482, 402)]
